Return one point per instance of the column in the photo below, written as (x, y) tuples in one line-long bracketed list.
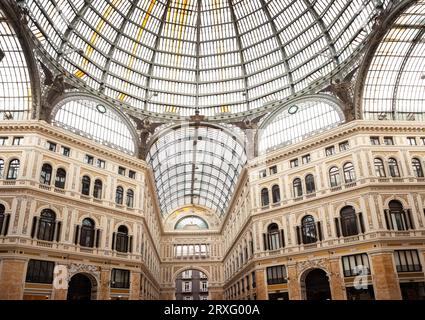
[(260, 279), (336, 281), (12, 278), (105, 279), (60, 283), (293, 284), (385, 280), (135, 285)]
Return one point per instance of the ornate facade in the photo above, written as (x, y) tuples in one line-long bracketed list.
[(274, 149)]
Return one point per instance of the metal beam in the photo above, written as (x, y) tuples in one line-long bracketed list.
[(280, 43), (406, 58), (71, 27), (155, 49), (114, 45), (240, 49), (325, 31)]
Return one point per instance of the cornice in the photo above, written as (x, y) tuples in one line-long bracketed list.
[(42, 127), (335, 134)]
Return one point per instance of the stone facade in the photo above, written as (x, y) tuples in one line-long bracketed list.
[(239, 252)]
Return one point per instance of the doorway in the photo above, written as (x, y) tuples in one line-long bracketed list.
[(317, 285), (80, 288)]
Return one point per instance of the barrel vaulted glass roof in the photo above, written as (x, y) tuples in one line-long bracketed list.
[(395, 84), (221, 56), (196, 166), (15, 85)]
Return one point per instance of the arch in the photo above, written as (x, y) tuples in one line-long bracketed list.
[(46, 225), (13, 170), (349, 221), (95, 119), (87, 233), (119, 195), (122, 239), (392, 64), (98, 189), (276, 198), (334, 177), (60, 178), (315, 284), (417, 167), (379, 167), (393, 168), (129, 200), (297, 188), (297, 119), (1, 168), (265, 200), (349, 172), (188, 268), (82, 286), (309, 230), (85, 185), (18, 97), (46, 174), (191, 221), (310, 185)]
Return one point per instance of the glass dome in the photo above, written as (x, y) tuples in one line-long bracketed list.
[(220, 56), (394, 86)]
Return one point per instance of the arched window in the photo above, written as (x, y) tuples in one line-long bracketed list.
[(397, 215), (265, 201), (130, 198), (309, 184), (349, 173), (122, 239), (60, 178), (85, 185), (46, 174), (393, 167), (334, 177), (380, 168), (349, 222), (119, 195), (276, 194), (46, 225), (12, 173), (97, 189), (1, 168), (309, 232), (87, 233), (2, 217), (274, 237), (297, 188), (417, 168)]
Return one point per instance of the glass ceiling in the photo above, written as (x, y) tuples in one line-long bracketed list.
[(221, 56), (395, 84), (298, 121), (95, 121), (196, 166), (15, 85)]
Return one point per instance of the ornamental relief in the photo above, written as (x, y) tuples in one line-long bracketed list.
[(74, 268), (311, 264)]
